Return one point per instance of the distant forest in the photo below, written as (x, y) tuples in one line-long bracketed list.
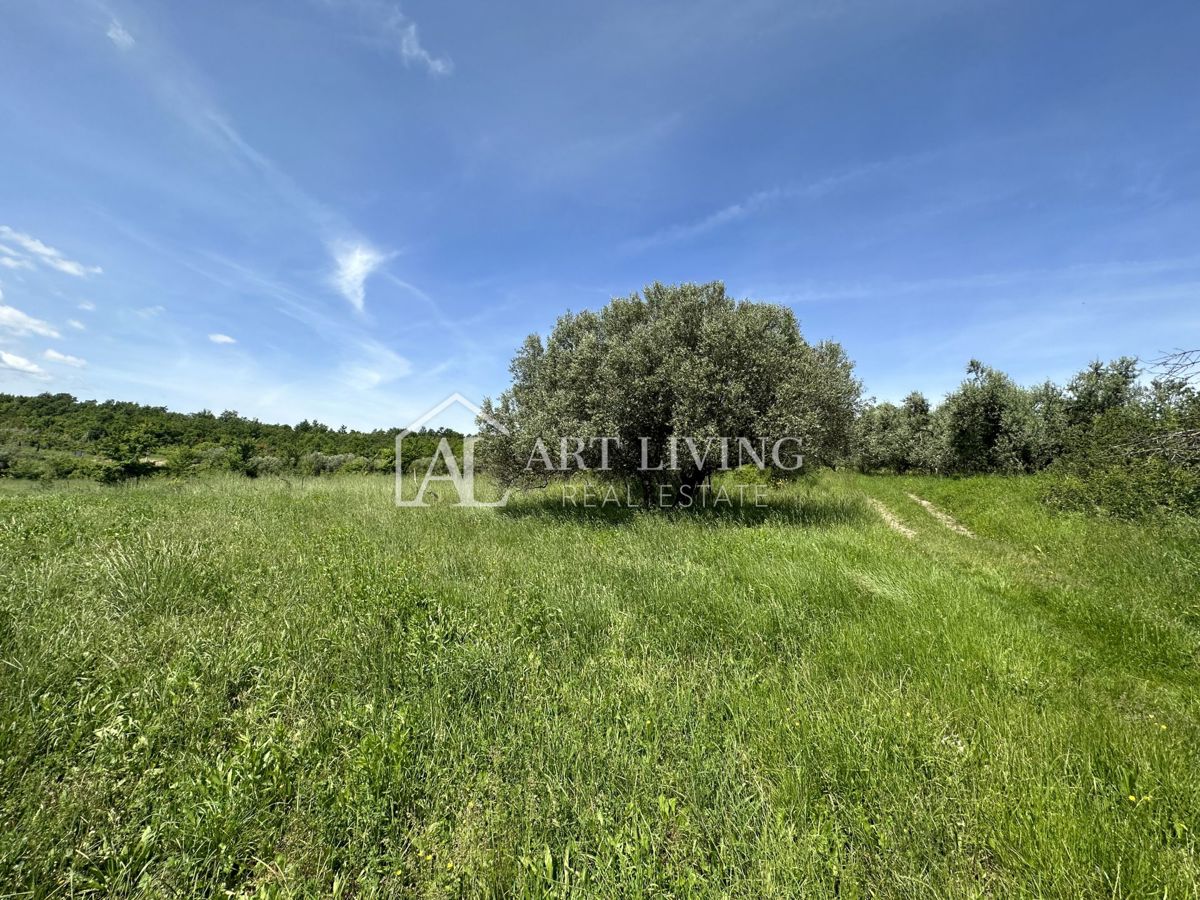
[(56, 436)]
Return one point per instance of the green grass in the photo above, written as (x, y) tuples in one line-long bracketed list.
[(276, 689)]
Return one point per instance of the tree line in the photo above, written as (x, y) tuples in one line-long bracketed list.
[(1118, 436), (57, 436)]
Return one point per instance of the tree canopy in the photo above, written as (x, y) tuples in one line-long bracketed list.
[(674, 362)]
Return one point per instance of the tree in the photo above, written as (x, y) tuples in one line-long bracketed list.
[(1099, 388), (677, 361), (880, 439), (901, 438), (989, 423)]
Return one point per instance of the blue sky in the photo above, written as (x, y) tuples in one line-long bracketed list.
[(347, 209)]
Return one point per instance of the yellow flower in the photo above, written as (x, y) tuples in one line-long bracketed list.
[(1132, 799), (1163, 727), (449, 865)]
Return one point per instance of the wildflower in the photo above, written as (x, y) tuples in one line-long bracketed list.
[(1163, 727), (1132, 799), (449, 866)]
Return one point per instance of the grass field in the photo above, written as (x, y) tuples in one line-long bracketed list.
[(269, 688)]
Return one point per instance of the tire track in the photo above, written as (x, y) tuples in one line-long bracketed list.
[(945, 518), (890, 518)]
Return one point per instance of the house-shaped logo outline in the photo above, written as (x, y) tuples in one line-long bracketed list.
[(428, 416), (436, 411)]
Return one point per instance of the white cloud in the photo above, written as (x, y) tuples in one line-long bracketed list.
[(87, 305), (222, 339), (355, 263), (119, 36), (19, 323), (374, 365), (19, 364), (11, 259), (76, 324), (45, 254), (395, 31), (65, 359), (149, 312)]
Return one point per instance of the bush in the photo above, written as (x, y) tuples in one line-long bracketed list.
[(318, 463), (258, 466), (354, 465), (1129, 490)]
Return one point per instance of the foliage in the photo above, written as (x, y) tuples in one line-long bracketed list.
[(1114, 442), (56, 436), (1139, 454), (900, 438), (1129, 489), (989, 423), (678, 361)]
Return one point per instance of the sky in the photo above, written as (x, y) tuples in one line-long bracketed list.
[(345, 210)]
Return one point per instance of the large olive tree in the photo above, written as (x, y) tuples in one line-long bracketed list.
[(677, 361)]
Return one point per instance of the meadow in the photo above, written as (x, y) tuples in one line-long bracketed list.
[(235, 687)]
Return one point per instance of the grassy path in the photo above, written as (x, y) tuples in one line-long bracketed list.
[(298, 690)]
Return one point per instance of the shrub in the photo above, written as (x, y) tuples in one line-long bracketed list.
[(354, 465), (318, 463), (1131, 489), (258, 466)]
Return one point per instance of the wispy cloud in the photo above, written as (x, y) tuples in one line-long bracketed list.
[(43, 253), (181, 92), (87, 305), (19, 364), (222, 339), (392, 29), (19, 323), (731, 213), (65, 358), (119, 36), (375, 365), (355, 261), (76, 324), (765, 199), (11, 259)]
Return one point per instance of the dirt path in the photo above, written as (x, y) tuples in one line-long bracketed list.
[(943, 517), (890, 518)]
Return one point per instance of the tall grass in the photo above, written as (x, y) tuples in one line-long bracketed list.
[(293, 688)]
